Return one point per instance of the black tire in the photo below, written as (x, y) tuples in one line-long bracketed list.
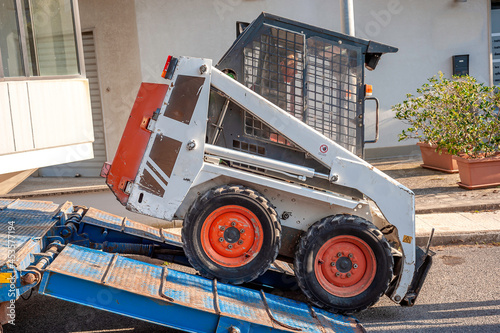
[(321, 272), (208, 257)]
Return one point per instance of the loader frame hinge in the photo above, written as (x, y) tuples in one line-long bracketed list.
[(128, 187), (152, 121)]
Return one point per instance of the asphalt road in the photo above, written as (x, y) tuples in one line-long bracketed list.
[(461, 294)]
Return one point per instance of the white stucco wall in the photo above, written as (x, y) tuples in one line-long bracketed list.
[(117, 52), (427, 32)]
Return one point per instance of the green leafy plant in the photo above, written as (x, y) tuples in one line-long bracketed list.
[(459, 115)]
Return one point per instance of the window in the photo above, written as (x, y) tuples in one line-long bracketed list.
[(45, 45), (12, 64)]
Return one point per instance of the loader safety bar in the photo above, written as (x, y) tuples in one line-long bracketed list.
[(288, 169)]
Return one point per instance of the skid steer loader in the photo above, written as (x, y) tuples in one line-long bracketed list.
[(261, 156)]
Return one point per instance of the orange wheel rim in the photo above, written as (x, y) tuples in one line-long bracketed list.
[(345, 266), (231, 236)]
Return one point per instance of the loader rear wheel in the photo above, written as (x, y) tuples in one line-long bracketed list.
[(231, 233), (343, 264)]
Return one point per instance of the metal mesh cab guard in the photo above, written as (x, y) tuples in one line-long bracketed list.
[(314, 74)]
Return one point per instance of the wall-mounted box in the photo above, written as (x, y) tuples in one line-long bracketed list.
[(461, 65)]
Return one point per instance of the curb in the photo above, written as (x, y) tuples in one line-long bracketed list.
[(460, 238), (459, 208)]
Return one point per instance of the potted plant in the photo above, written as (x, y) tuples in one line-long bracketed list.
[(460, 117), (473, 132), (426, 116)]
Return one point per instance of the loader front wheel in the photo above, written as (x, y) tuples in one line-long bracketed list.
[(343, 264), (231, 233)]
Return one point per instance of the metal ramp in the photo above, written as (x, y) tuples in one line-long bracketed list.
[(122, 224), (279, 274), (171, 298), (23, 224), (48, 233)]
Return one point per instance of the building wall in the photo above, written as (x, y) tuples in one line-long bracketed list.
[(45, 114), (117, 52), (428, 33), (37, 130), (495, 44)]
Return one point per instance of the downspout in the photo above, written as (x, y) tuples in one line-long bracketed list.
[(347, 17)]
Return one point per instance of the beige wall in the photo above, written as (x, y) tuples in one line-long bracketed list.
[(427, 32), (117, 50), (133, 39)]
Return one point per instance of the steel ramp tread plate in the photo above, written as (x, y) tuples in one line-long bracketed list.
[(171, 238), (31, 205), (242, 303), (5, 202), (20, 243), (133, 275), (189, 292), (338, 323), (130, 275), (114, 222), (81, 262), (22, 221), (282, 308)]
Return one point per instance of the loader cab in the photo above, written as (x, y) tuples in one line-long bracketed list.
[(314, 74)]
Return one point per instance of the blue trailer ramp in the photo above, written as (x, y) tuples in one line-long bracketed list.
[(175, 299), (47, 240)]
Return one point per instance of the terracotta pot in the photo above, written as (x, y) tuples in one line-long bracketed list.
[(433, 160), (478, 173)]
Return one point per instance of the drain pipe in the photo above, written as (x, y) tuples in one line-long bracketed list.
[(347, 17)]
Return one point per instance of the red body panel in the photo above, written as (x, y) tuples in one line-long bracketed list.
[(134, 139)]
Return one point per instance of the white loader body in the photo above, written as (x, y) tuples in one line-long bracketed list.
[(197, 167)]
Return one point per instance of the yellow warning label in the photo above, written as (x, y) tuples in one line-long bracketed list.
[(407, 239), (5, 277)]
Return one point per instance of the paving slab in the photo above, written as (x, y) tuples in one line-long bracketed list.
[(436, 191)]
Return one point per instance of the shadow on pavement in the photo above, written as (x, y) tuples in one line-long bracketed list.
[(431, 317)]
